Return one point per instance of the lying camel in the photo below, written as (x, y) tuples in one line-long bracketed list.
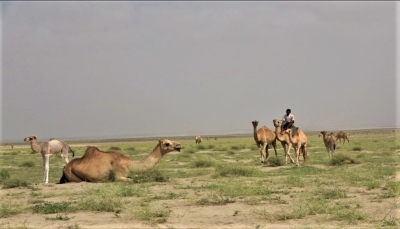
[(97, 166)]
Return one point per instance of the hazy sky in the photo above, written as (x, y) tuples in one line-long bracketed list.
[(76, 70)]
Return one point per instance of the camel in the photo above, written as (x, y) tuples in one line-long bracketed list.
[(52, 146), (264, 137), (198, 140), (299, 141), (344, 136), (98, 166), (330, 142), (284, 139)]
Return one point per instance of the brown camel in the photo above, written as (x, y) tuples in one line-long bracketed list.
[(52, 146), (344, 136), (264, 137), (284, 139), (198, 140), (330, 142), (299, 141), (97, 166)]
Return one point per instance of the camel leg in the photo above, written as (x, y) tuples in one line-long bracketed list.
[(274, 146), (304, 154), (287, 153), (263, 153), (297, 149), (46, 160), (266, 154)]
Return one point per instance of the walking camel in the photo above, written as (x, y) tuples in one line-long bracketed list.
[(299, 141), (330, 142), (344, 136), (264, 137), (284, 139), (198, 140), (97, 166), (52, 146)]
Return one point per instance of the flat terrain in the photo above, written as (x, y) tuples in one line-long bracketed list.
[(218, 184)]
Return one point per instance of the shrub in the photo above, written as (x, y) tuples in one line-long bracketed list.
[(4, 175), (275, 161), (28, 164), (14, 183), (201, 163), (340, 159), (152, 175), (131, 148), (114, 148), (50, 208), (234, 170)]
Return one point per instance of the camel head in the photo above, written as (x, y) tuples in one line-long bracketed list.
[(323, 132), (277, 123), (167, 146), (30, 138), (288, 131), (255, 123)]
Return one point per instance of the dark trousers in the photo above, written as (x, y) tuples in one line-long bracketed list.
[(286, 126)]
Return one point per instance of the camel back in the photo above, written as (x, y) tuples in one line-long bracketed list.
[(294, 129)]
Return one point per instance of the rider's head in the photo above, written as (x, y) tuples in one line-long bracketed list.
[(288, 111)]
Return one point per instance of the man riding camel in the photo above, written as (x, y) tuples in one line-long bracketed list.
[(287, 120)]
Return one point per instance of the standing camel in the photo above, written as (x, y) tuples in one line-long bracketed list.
[(344, 136), (284, 139), (52, 146), (330, 142), (198, 140), (97, 166), (299, 141), (264, 137)]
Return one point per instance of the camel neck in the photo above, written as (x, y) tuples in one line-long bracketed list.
[(149, 162), (35, 147)]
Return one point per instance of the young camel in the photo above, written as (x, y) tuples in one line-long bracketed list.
[(264, 137), (299, 141), (330, 142), (284, 139), (198, 140), (52, 146), (96, 165), (344, 136)]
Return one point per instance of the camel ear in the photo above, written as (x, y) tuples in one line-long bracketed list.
[(34, 137), (160, 140)]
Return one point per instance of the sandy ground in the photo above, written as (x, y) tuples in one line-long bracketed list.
[(184, 213)]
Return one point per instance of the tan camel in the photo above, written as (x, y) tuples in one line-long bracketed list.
[(198, 140), (284, 139), (344, 136), (264, 137), (299, 141), (330, 142), (97, 166), (52, 146)]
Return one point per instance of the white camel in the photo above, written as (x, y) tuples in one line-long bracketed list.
[(52, 146)]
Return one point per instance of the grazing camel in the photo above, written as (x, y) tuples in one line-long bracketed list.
[(97, 166), (52, 146), (299, 141), (330, 142), (198, 140), (344, 136), (264, 137), (284, 139)]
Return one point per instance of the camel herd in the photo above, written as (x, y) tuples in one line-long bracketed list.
[(96, 165)]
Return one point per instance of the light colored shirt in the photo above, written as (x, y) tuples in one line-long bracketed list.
[(287, 118)]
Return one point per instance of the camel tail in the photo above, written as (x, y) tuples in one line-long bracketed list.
[(334, 146), (73, 153)]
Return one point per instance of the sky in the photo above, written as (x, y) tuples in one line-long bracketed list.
[(92, 70)]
